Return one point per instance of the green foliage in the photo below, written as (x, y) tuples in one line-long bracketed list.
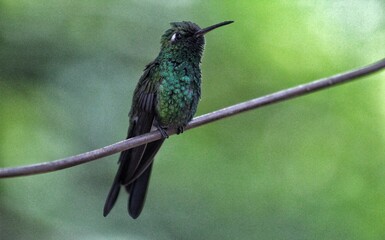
[(310, 168)]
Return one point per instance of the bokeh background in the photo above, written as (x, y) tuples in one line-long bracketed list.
[(309, 168)]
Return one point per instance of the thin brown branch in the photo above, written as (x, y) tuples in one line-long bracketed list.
[(196, 122)]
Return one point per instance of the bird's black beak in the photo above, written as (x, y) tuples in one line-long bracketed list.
[(208, 29)]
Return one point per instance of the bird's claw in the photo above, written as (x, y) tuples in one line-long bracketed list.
[(163, 132), (179, 130)]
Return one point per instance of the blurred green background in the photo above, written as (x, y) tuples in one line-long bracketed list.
[(309, 168)]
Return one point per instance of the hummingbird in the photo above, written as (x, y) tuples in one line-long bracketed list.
[(166, 96)]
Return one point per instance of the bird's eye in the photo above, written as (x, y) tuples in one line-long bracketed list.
[(176, 36)]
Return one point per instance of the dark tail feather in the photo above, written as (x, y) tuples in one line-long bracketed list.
[(115, 188), (138, 192), (138, 188), (135, 176), (112, 196)]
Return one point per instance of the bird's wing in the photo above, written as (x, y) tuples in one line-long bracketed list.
[(141, 119), (142, 116)]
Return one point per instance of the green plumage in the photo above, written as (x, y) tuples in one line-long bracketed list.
[(178, 93), (180, 86), (166, 96)]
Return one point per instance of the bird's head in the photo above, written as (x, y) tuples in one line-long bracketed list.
[(187, 37)]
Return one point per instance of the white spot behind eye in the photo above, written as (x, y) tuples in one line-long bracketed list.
[(173, 37)]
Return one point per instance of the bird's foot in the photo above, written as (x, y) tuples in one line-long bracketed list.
[(163, 132), (179, 130)]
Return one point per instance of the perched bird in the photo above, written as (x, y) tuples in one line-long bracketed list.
[(166, 96)]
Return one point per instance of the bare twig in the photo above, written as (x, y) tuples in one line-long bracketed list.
[(196, 122)]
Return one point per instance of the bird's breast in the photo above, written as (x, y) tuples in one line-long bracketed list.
[(178, 94)]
